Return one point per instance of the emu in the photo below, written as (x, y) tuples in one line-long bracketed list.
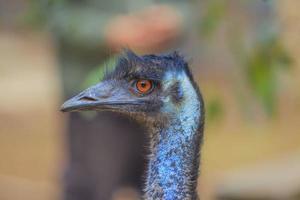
[(160, 93)]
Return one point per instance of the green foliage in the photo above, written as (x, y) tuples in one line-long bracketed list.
[(214, 13), (37, 13), (259, 60), (98, 73), (35, 16), (261, 67), (214, 109)]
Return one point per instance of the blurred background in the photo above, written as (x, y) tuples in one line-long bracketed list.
[(244, 55)]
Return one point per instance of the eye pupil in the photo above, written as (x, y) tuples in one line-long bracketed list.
[(143, 86)]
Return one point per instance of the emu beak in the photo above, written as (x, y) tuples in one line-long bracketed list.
[(102, 96)]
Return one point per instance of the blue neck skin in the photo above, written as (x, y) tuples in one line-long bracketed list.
[(174, 160)]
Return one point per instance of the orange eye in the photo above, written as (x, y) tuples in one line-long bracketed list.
[(144, 86)]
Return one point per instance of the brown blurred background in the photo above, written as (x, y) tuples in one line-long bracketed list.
[(244, 55)]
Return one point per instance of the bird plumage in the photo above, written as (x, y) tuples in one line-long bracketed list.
[(172, 111)]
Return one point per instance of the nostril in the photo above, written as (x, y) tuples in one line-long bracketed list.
[(87, 99)]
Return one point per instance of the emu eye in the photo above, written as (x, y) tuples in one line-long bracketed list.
[(144, 86)]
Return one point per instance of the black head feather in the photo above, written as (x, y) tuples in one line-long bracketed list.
[(130, 65)]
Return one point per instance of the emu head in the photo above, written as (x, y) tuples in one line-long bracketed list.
[(152, 88)]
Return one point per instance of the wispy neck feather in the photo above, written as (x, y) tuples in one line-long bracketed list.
[(174, 160)]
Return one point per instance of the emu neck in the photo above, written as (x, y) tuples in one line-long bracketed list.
[(173, 164), (174, 159)]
